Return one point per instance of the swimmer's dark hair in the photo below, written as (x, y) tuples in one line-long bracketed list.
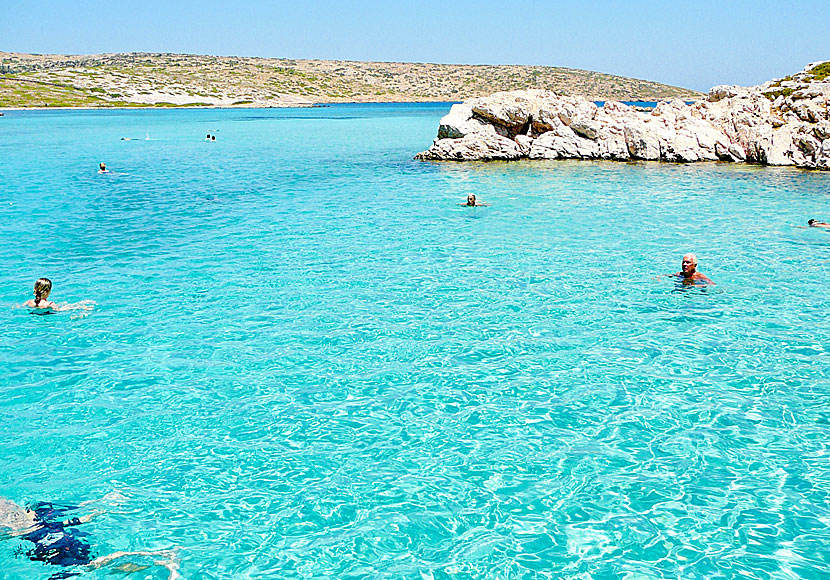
[(42, 286), (810, 222)]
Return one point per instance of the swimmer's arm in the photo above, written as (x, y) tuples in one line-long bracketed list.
[(80, 520), (82, 305), (171, 563)]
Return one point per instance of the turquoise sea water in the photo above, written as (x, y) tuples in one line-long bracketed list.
[(307, 361)]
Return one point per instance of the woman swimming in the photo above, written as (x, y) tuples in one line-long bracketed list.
[(43, 287), (42, 305), (56, 543)]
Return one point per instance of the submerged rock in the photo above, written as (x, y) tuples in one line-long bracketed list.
[(782, 122)]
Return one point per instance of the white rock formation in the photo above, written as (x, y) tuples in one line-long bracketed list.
[(784, 122)]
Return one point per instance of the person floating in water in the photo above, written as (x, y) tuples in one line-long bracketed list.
[(208, 137), (471, 202), (42, 305), (689, 274), (102, 168), (818, 224), (43, 287), (56, 541)]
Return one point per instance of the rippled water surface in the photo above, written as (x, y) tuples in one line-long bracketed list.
[(307, 361)]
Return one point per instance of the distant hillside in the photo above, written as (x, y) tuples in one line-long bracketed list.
[(143, 79)]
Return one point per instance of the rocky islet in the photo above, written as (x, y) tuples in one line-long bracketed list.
[(782, 122)]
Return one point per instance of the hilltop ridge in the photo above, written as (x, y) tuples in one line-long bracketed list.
[(161, 79)]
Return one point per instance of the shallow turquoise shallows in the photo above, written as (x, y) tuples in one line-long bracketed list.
[(308, 361)]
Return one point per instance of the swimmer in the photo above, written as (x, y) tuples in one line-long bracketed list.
[(43, 287), (208, 137), (42, 305), (56, 544), (213, 137), (471, 202), (102, 168), (818, 224), (689, 273)]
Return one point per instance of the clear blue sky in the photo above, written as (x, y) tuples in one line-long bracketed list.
[(695, 44)]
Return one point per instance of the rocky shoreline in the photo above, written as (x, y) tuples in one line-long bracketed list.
[(782, 122)]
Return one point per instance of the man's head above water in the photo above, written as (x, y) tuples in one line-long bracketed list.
[(689, 265)]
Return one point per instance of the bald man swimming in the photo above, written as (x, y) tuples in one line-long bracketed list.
[(689, 273)]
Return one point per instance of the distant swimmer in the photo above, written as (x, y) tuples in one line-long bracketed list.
[(43, 287), (213, 137), (55, 542), (471, 202), (42, 305), (208, 137), (818, 224), (689, 274), (102, 168)]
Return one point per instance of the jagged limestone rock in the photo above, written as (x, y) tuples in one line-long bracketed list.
[(474, 146), (782, 122)]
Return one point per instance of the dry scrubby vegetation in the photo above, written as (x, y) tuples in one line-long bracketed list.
[(797, 86), (142, 79)]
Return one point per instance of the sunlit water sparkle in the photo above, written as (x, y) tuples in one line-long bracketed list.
[(307, 361)]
